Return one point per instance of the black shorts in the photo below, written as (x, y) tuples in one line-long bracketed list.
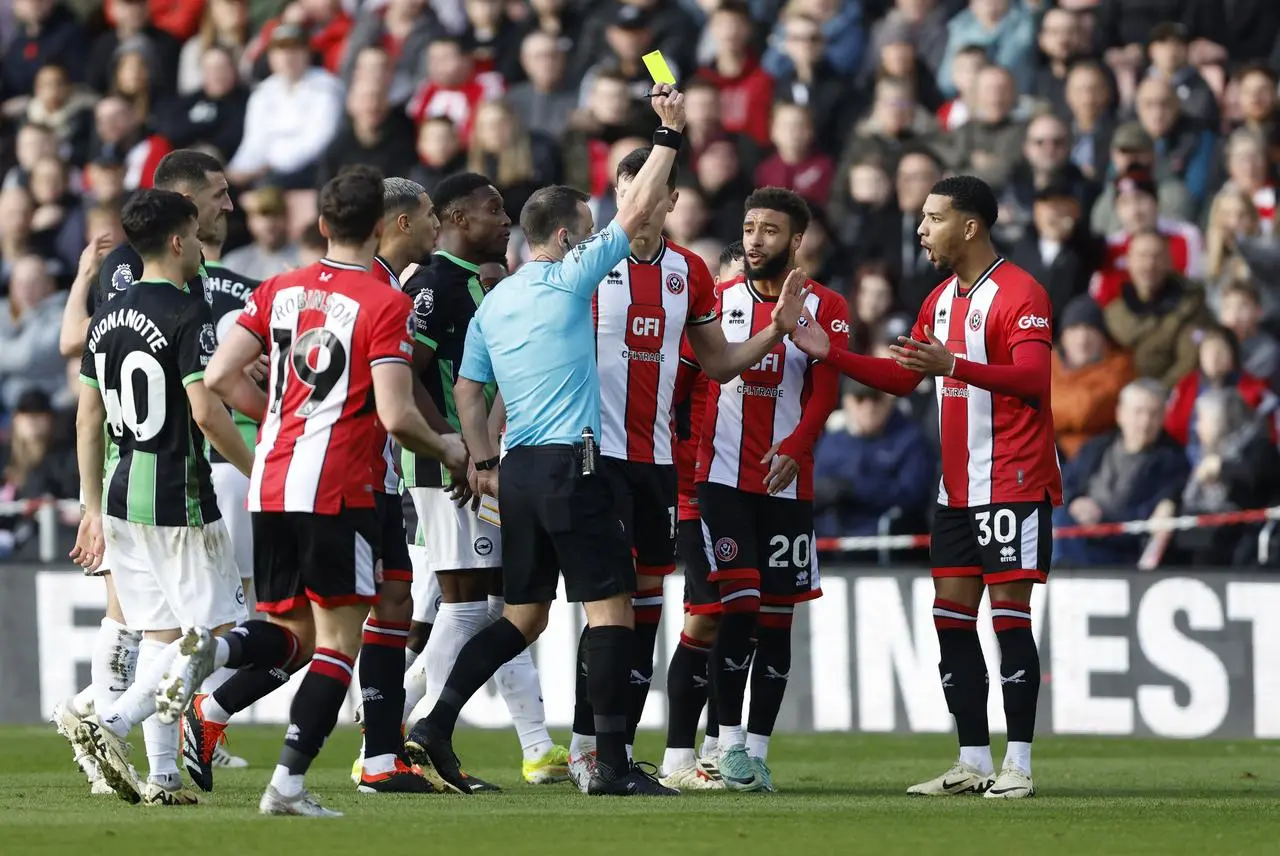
[(764, 539), (701, 596), (557, 521), (396, 566), (328, 559), (1001, 543), (645, 497)]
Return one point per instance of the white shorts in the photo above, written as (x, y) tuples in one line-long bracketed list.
[(174, 576), (232, 488), (426, 588), (456, 539)]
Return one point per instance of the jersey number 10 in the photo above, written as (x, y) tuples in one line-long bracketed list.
[(122, 404)]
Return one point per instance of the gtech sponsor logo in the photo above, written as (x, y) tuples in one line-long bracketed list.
[(1033, 322)]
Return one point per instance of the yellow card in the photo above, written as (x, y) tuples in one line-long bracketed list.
[(489, 511), (658, 68)]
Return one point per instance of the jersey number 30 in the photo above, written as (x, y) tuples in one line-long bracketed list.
[(318, 360), (122, 404)]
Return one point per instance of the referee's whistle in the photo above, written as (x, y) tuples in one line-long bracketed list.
[(588, 451)]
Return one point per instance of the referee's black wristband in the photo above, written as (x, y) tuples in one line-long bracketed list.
[(668, 137), (490, 464)]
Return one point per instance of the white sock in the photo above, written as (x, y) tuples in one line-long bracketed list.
[(139, 701), (286, 783), (82, 702), (677, 759), (496, 604), (710, 745), (410, 656), (115, 656), (732, 735), (978, 757), (415, 687), (378, 764), (455, 624), (630, 756), (521, 689), (162, 746), (214, 712), (758, 746), (1018, 755), (581, 744), (221, 653), (219, 677)]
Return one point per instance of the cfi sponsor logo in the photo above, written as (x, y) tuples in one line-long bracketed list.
[(675, 283), (1033, 322), (726, 549)]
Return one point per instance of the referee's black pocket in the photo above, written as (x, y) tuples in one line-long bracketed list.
[(557, 514)]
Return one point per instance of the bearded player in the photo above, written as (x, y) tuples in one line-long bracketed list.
[(986, 334), (755, 484)]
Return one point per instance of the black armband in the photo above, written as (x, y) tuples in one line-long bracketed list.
[(490, 464), (668, 137)]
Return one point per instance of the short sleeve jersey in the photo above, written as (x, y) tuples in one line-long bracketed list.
[(324, 327), (229, 292), (142, 350), (995, 448), (446, 294), (641, 311)]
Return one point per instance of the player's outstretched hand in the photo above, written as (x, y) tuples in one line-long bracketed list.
[(783, 470), (809, 336), (90, 543), (929, 357), (668, 103), (790, 306)]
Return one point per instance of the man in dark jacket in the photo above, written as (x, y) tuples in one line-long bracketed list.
[(878, 463), (1057, 248), (1135, 473), (46, 32)]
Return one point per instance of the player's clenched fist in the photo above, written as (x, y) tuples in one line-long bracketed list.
[(668, 103)]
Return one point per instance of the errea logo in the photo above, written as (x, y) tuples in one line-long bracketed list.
[(1008, 554), (1033, 322)]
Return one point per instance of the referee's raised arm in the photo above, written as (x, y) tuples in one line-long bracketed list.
[(650, 185)]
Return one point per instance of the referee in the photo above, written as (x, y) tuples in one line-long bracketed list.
[(534, 336)]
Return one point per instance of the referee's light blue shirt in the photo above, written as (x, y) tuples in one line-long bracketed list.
[(533, 334)]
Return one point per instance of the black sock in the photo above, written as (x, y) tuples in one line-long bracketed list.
[(315, 708), (477, 662), (963, 670), (609, 664), (382, 686), (770, 669), (1019, 668), (713, 720), (583, 716), (686, 691), (731, 664), (260, 643), (249, 685), (647, 605)]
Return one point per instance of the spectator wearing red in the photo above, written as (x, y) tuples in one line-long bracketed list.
[(1088, 374), (1218, 367), (179, 18), (453, 87), (1131, 147), (1249, 172), (1138, 211), (744, 86), (403, 29), (119, 133), (796, 163), (956, 112), (605, 118), (325, 26), (494, 40)]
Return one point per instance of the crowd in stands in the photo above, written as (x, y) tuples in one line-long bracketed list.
[(1134, 146)]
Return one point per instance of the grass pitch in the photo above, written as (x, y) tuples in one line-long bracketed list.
[(839, 794)]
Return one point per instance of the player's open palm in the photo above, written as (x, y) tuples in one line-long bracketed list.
[(929, 357), (783, 470), (90, 543), (790, 306), (669, 105), (809, 337)]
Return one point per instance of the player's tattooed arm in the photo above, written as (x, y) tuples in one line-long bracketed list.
[(90, 453)]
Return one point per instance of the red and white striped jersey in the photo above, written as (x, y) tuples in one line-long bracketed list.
[(1186, 251), (386, 468), (995, 448), (747, 415), (324, 327), (687, 450), (641, 310)]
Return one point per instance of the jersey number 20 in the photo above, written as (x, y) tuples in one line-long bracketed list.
[(122, 404), (318, 359)]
